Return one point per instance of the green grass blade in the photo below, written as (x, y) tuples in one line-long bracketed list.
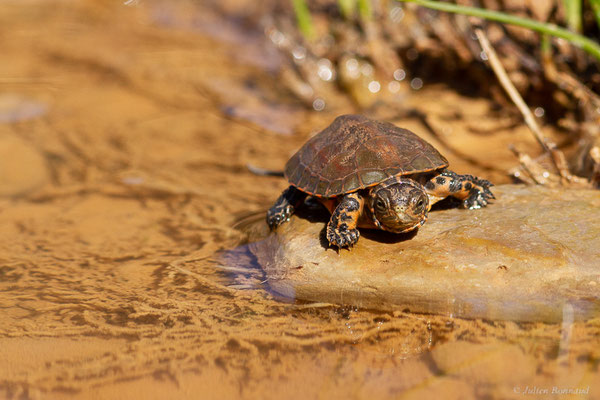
[(573, 8), (587, 44), (303, 18), (364, 9), (545, 45), (347, 8), (596, 8)]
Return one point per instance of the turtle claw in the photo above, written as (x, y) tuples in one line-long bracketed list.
[(278, 215), (284, 207), (479, 195), (341, 229), (342, 238)]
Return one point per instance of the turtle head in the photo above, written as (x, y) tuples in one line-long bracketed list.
[(398, 205)]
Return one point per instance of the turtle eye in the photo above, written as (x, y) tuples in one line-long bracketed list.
[(380, 204), (420, 204)]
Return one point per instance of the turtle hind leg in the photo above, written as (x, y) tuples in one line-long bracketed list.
[(341, 229), (474, 192), (284, 207)]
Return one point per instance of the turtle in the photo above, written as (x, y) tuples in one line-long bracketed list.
[(372, 174)]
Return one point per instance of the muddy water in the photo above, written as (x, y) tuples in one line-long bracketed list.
[(125, 132)]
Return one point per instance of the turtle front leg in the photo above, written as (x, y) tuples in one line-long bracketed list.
[(474, 192), (341, 229), (284, 207)]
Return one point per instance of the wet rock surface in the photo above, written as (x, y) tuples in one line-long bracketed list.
[(533, 255)]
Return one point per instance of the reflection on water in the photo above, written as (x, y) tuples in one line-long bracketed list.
[(15, 108), (247, 104)]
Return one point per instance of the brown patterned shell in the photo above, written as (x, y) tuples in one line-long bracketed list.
[(355, 152)]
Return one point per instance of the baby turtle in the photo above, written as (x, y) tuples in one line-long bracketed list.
[(372, 174)]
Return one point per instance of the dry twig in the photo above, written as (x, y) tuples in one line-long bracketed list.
[(535, 173), (570, 84)]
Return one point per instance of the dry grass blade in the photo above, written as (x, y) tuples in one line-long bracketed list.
[(549, 146)]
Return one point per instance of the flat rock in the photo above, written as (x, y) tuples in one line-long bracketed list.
[(532, 255)]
